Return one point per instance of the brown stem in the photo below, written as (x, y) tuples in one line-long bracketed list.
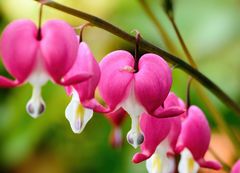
[(39, 35), (188, 98), (82, 27), (136, 56)]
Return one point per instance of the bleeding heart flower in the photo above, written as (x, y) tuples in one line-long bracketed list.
[(160, 141), (193, 142), (80, 109), (135, 91), (236, 167), (37, 55), (116, 118)]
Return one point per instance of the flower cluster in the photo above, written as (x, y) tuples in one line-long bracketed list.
[(161, 124)]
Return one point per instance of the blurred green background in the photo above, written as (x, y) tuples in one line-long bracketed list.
[(211, 30)]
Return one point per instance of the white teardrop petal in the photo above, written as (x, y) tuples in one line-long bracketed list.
[(187, 164), (134, 109), (77, 115)]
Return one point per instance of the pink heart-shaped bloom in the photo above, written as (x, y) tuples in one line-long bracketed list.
[(136, 92), (157, 130), (83, 92), (195, 136), (30, 57)]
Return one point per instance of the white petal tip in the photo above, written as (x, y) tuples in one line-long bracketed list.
[(77, 116), (35, 108), (135, 139)]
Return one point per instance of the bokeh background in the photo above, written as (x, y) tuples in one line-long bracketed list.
[(211, 30)]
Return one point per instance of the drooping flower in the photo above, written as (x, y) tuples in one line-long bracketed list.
[(135, 91), (158, 148), (193, 142), (35, 55), (236, 167), (116, 119), (80, 109)]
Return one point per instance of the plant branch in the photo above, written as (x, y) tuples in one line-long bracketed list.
[(144, 45)]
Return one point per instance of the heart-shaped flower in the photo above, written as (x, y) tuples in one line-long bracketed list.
[(135, 91), (193, 142), (80, 109), (36, 55), (160, 141)]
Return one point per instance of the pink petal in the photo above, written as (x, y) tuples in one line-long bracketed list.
[(8, 83), (174, 133), (195, 131), (152, 82), (95, 106), (116, 77), (172, 106), (168, 112), (210, 164), (155, 131), (85, 63), (236, 167), (18, 48), (59, 47), (73, 80), (140, 157)]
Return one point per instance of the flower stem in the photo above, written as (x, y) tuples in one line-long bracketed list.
[(137, 56), (188, 97), (145, 45), (39, 35), (82, 27)]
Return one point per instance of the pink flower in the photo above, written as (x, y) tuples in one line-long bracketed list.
[(236, 167), (80, 109), (116, 119), (193, 142), (37, 55), (160, 141), (136, 92)]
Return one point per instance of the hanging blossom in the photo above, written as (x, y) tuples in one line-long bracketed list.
[(35, 55), (116, 119), (80, 110), (193, 142), (136, 91), (236, 167), (158, 148)]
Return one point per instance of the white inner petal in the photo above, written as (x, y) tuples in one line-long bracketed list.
[(187, 163), (76, 114), (37, 79), (134, 109), (159, 162)]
